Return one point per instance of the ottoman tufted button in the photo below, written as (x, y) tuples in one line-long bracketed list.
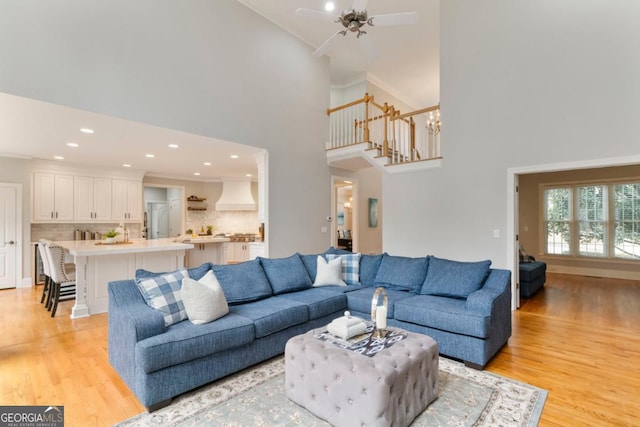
[(350, 401), (326, 388)]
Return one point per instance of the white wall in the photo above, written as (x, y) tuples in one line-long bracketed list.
[(17, 171), (523, 83), (191, 66)]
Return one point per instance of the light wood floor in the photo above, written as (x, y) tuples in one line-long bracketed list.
[(578, 338)]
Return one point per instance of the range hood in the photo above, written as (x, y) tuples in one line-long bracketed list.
[(236, 196)]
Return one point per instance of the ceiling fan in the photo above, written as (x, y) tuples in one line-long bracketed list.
[(354, 19)]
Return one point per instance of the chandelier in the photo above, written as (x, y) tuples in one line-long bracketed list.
[(433, 123)]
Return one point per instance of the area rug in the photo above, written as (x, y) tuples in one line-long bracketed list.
[(256, 397)]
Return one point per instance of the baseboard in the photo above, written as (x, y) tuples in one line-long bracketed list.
[(597, 272), (25, 283)]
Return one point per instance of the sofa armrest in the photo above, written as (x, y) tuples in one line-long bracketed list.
[(129, 311), (497, 284), (131, 320)]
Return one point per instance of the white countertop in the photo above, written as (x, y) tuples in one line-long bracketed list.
[(203, 239), (97, 247)]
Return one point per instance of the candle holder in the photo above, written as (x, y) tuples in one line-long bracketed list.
[(379, 313)]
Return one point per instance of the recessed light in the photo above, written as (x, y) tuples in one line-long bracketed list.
[(173, 146), (329, 6), (86, 130), (149, 156), (58, 157), (72, 144), (207, 163), (126, 165), (248, 175), (196, 173), (234, 156)]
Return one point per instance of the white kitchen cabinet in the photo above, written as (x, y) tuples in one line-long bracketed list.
[(205, 252), (256, 249), (126, 200), (92, 198), (52, 197), (236, 252)]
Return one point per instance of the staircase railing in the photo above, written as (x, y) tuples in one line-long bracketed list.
[(400, 137)]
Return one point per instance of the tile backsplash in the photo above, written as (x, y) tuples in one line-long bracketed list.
[(224, 221), (66, 231)]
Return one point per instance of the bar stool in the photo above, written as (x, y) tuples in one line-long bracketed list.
[(46, 289), (62, 286)]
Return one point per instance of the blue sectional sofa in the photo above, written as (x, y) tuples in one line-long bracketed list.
[(465, 307)]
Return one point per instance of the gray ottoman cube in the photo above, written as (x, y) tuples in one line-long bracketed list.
[(349, 389)]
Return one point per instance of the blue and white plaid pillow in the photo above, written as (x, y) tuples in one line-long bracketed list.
[(350, 267), (163, 293)]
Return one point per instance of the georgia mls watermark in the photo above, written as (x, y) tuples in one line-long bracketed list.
[(31, 416)]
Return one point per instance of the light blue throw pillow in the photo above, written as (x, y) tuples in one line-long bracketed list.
[(401, 273), (350, 267), (162, 292), (286, 274), (243, 282), (454, 278)]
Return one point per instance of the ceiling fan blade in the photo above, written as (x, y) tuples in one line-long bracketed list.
[(366, 42), (316, 14), (324, 46), (359, 5), (404, 18)]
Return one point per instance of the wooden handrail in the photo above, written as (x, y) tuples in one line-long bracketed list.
[(365, 98), (399, 140), (417, 112)]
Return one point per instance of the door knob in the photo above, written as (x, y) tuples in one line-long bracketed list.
[(10, 242)]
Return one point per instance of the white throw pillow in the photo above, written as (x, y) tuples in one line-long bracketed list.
[(329, 272), (203, 299)]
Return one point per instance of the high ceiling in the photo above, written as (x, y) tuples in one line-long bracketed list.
[(407, 67), (408, 55)]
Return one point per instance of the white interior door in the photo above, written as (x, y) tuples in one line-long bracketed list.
[(9, 234)]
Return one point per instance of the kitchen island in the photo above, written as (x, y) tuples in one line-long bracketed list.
[(98, 263)]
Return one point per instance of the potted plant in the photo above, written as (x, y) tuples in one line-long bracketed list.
[(189, 232), (110, 236), (209, 230)]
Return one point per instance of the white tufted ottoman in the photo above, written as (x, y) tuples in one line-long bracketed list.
[(349, 389)]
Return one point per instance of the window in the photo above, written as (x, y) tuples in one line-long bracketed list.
[(592, 225), (593, 220), (627, 220), (558, 220)]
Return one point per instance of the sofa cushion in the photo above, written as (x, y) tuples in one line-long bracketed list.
[(183, 342), (319, 301), (272, 315), (350, 267), (163, 293), (195, 273), (360, 300), (453, 278), (401, 273), (329, 273), (203, 299), (443, 313), (369, 265), (243, 282), (286, 274)]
